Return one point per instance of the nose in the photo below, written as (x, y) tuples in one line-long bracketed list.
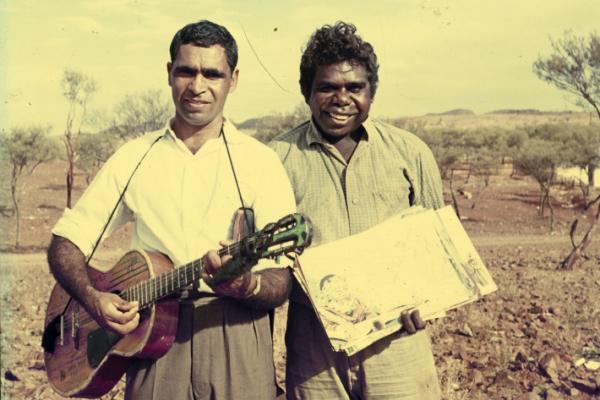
[(341, 97), (197, 84)]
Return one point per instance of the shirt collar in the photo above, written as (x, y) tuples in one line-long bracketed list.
[(231, 132), (314, 136)]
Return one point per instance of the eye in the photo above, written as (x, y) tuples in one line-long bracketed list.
[(355, 88), (325, 89), (184, 72), (212, 74)]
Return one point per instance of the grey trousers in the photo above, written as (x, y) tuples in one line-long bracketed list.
[(223, 350), (398, 367)]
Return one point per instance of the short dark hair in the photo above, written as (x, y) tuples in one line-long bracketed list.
[(333, 44), (205, 34)]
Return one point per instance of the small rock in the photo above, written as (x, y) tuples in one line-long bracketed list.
[(466, 331), (585, 386), (528, 396), (552, 394), (530, 332), (38, 365), (579, 362), (10, 376), (572, 391), (520, 357), (592, 365), (477, 377), (549, 366), (519, 333), (542, 318), (536, 309)]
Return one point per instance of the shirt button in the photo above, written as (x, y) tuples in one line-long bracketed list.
[(355, 201)]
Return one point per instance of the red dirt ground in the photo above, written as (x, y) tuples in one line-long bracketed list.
[(521, 342)]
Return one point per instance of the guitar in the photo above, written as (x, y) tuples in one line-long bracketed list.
[(85, 360)]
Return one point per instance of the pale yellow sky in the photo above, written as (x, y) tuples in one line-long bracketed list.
[(434, 55)]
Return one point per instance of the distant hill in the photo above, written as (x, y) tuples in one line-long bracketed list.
[(456, 118), (530, 111), (508, 118), (250, 123), (456, 111)]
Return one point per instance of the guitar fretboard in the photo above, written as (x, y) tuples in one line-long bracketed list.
[(149, 292)]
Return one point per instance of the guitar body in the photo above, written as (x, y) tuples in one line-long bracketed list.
[(84, 360)]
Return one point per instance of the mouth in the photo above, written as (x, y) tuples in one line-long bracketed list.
[(196, 103), (339, 118)]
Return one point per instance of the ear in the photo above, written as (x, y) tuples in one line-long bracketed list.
[(234, 80), (169, 66)]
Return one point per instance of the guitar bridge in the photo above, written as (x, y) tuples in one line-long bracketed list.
[(75, 327)]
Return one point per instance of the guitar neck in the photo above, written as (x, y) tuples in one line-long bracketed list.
[(291, 233), (149, 292)]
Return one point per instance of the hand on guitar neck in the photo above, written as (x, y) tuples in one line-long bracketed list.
[(240, 287)]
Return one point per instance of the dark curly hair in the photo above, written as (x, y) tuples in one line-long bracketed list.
[(205, 34), (333, 44)]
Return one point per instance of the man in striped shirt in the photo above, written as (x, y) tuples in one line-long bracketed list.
[(349, 173)]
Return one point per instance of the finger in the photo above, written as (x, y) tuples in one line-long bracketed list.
[(113, 314), (212, 262), (416, 319), (129, 315), (127, 305), (407, 323), (224, 243), (131, 325), (126, 328), (225, 259)]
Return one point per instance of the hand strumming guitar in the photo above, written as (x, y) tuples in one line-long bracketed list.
[(112, 312)]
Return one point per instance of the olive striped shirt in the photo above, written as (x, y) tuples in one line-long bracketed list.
[(390, 170)]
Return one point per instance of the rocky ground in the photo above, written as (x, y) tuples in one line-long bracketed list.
[(537, 337)]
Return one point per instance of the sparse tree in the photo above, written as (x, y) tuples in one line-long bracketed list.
[(484, 164), (574, 67), (140, 113), (77, 89), (25, 149), (582, 144), (94, 150), (515, 140), (270, 126), (539, 159), (448, 149)]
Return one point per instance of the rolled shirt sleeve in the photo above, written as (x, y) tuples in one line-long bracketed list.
[(83, 223)]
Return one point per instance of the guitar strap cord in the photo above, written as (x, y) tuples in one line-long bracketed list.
[(112, 213), (121, 195), (246, 211)]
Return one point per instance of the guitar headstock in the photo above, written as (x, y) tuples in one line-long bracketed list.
[(292, 233)]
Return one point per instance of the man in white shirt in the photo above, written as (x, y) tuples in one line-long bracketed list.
[(192, 176)]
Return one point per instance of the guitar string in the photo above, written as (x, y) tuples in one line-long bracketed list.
[(233, 248), (221, 252)]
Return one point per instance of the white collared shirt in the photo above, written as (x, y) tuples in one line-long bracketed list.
[(182, 204)]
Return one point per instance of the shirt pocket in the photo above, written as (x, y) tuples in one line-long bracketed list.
[(391, 197)]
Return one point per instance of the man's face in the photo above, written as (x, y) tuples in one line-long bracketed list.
[(200, 81), (340, 98)]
